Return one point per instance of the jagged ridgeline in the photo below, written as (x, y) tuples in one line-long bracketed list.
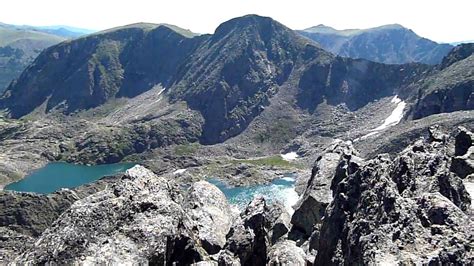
[(228, 78)]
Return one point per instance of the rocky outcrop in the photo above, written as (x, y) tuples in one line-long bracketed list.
[(286, 253), (138, 219), (13, 244), (210, 214), (463, 162), (145, 218), (258, 227), (335, 163), (399, 210)]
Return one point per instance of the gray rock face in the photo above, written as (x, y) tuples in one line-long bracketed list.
[(331, 166), (13, 244), (404, 210), (227, 258), (463, 163), (259, 226), (30, 214), (286, 253), (210, 215), (448, 88), (278, 222), (249, 240)]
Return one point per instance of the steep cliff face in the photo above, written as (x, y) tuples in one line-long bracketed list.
[(389, 209), (354, 83)]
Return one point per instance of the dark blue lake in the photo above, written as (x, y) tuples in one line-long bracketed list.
[(55, 176)]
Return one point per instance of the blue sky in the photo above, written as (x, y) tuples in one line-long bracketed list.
[(439, 20)]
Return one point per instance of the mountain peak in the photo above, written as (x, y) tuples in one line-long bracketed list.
[(242, 23), (394, 26), (145, 26), (320, 29)]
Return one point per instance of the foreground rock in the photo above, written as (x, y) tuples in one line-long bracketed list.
[(463, 162), (137, 220), (259, 226), (407, 210), (287, 253), (333, 165), (210, 212)]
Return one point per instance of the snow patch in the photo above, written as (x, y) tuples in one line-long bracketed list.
[(179, 171), (289, 156), (159, 93), (394, 118), (395, 99)]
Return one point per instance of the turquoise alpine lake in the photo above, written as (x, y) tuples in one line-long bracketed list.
[(282, 190), (55, 176)]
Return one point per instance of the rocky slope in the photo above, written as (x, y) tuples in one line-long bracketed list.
[(395, 210), (391, 44)]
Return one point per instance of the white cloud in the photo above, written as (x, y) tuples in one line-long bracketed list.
[(439, 20)]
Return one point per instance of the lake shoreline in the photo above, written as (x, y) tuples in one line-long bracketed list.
[(15, 181)]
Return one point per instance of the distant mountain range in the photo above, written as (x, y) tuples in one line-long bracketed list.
[(461, 42), (391, 44), (62, 30), (58, 30), (19, 46)]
